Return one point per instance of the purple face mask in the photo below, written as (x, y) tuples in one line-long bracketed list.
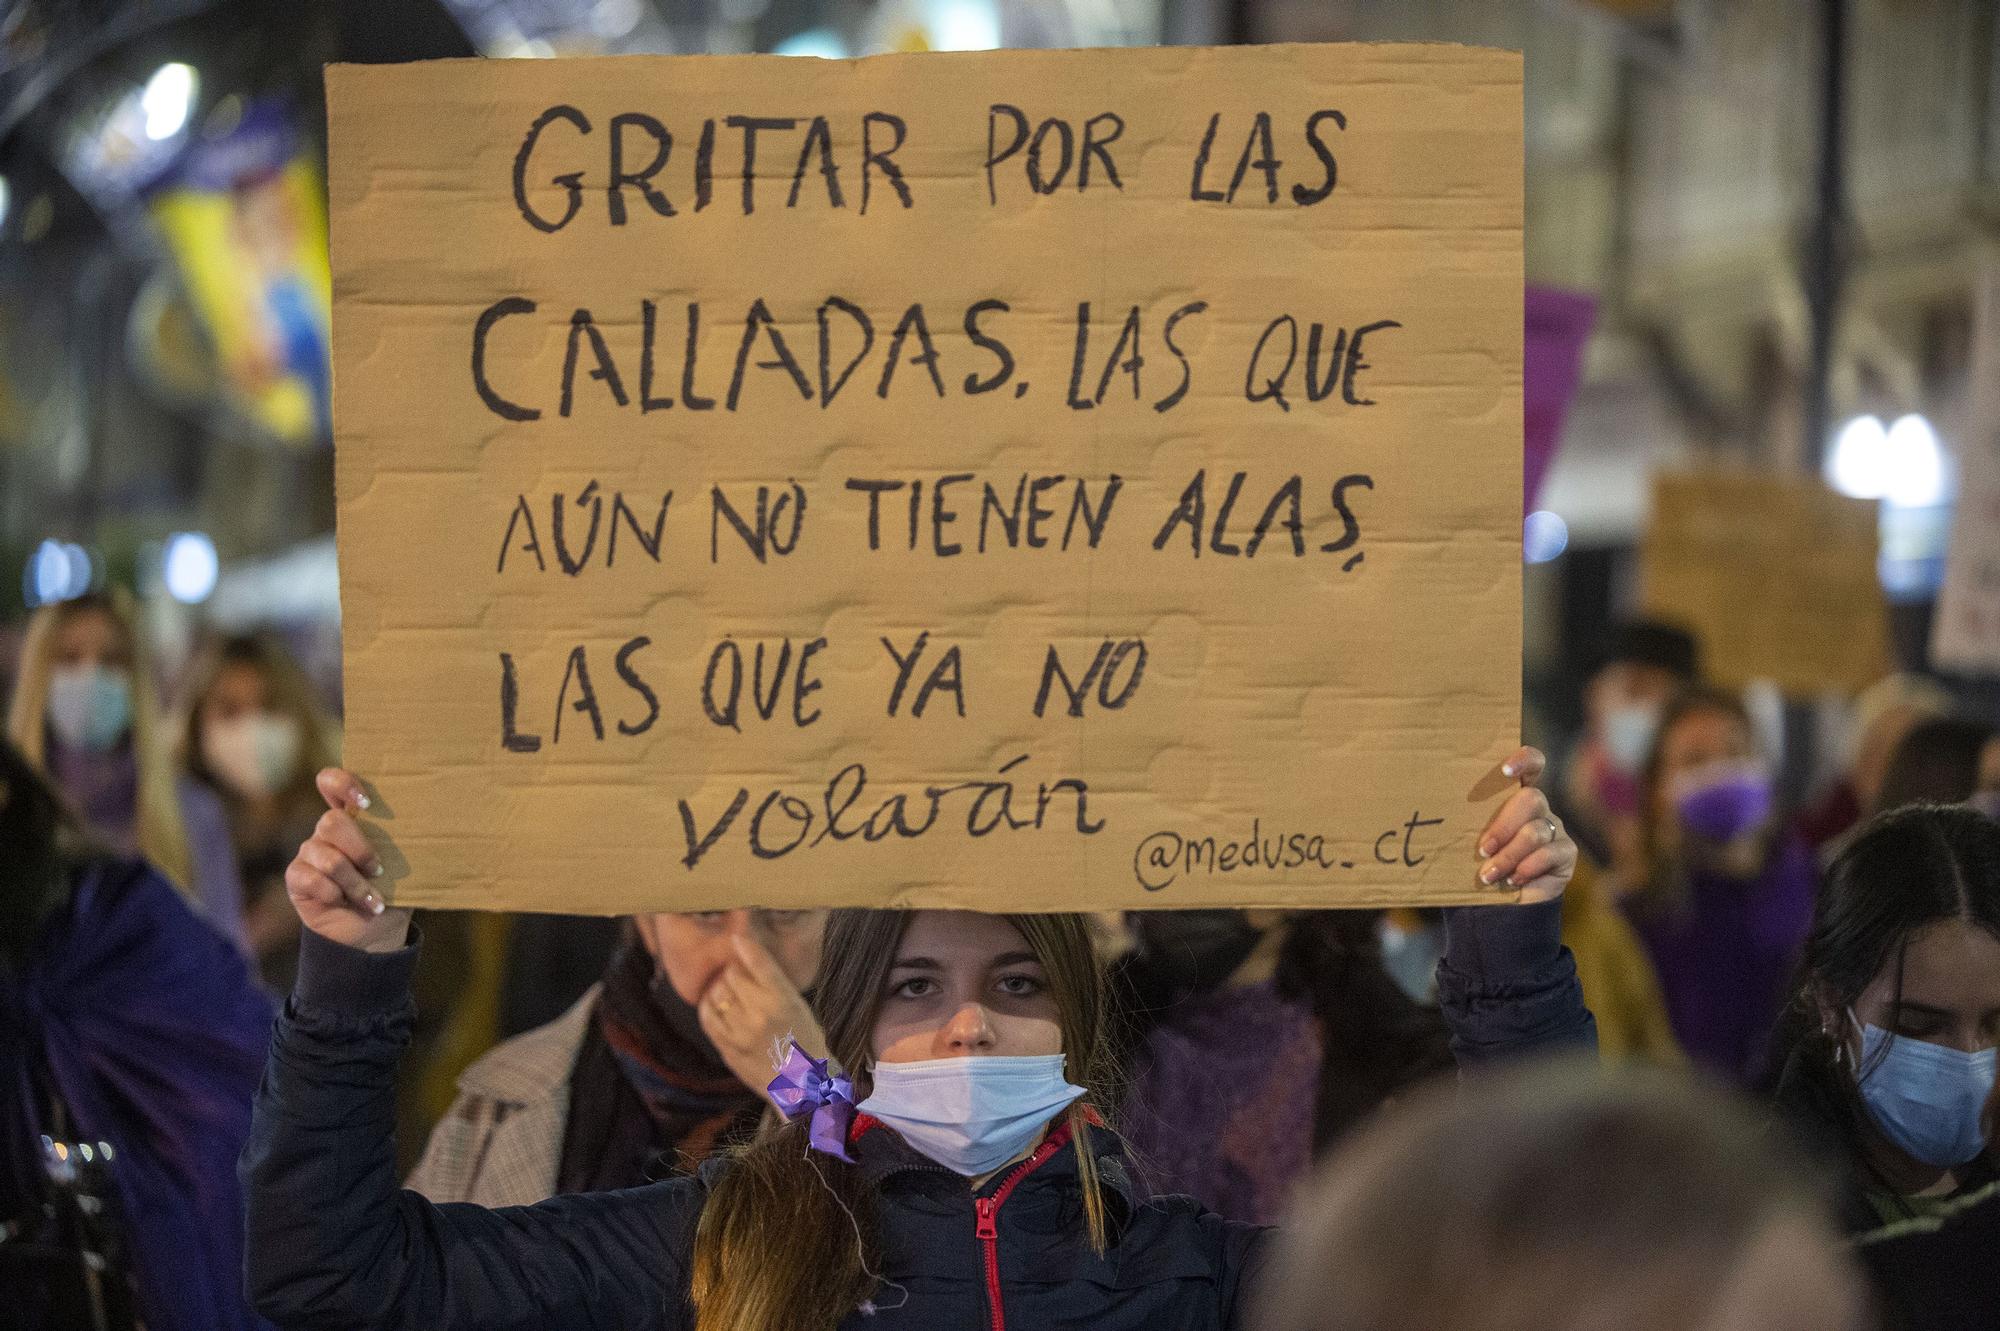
[(1721, 804)]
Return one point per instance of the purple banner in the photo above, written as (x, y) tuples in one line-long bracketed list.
[(1558, 327)]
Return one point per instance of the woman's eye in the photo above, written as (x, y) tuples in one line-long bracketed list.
[(1020, 986), (916, 987)]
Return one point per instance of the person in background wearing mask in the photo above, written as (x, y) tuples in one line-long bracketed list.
[(1884, 712), (1618, 981), (1563, 1197), (1641, 666), (83, 712), (656, 1068), (1255, 1041), (1943, 761), (131, 1038), (1726, 891), (253, 733), (949, 1172), (1888, 1048)]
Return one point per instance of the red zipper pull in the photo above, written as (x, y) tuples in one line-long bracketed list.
[(987, 1209)]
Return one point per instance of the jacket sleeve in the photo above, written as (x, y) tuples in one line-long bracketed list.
[(1246, 1257), (333, 1243), (1508, 986)]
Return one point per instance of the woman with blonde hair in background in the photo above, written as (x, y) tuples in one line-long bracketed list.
[(252, 732), (84, 712)]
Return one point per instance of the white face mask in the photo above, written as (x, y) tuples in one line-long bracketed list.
[(1629, 729), (90, 707), (971, 1115), (255, 753)]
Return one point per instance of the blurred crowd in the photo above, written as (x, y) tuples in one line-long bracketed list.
[(1836, 965)]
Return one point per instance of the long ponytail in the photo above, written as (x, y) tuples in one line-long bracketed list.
[(787, 1239)]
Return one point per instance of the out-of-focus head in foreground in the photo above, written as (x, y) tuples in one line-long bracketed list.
[(1563, 1198)]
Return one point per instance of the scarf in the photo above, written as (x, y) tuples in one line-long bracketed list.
[(647, 1083)]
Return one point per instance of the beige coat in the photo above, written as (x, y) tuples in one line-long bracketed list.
[(500, 1144)]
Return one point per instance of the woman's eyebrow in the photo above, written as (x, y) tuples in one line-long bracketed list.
[(917, 964), (1016, 959)]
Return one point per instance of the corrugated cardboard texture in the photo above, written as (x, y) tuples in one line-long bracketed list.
[(1317, 723), (1775, 574)]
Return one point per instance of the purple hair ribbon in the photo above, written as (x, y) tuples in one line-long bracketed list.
[(804, 1087)]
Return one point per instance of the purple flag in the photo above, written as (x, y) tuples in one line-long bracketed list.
[(1558, 326)]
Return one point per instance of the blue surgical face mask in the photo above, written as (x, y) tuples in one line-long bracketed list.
[(1411, 957), (971, 1115), (1926, 1098), (89, 706)]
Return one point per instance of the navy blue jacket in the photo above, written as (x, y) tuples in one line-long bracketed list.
[(335, 1244)]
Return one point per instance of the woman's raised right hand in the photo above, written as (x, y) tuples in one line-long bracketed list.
[(331, 881)]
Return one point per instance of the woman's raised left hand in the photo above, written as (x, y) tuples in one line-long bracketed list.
[(1525, 846)]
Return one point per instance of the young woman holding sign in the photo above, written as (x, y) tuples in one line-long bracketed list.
[(962, 1178)]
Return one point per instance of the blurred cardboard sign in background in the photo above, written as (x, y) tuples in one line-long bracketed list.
[(1015, 481), (1777, 576), (1965, 634)]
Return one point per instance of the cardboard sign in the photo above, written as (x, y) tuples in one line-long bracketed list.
[(1965, 634), (1775, 574), (1015, 481)]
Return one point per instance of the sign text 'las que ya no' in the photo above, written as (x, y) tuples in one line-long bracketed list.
[(1011, 481)]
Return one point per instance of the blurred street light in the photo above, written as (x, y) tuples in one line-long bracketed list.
[(1902, 463), (1860, 466), (965, 25), (1919, 478), (57, 571), (190, 567), (823, 42), (1544, 536), (168, 98)]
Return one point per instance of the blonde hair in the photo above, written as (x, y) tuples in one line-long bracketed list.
[(161, 836), (787, 1238), (289, 690)]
